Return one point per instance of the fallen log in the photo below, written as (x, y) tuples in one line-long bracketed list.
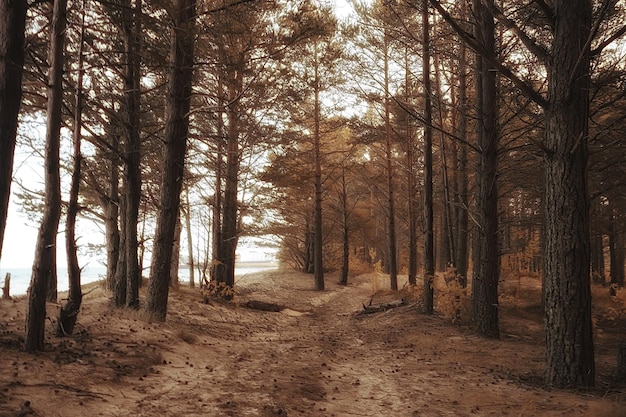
[(264, 306), (377, 308)]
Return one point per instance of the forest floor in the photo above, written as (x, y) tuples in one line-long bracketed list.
[(316, 357)]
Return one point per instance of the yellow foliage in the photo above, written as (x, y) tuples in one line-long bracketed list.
[(451, 299), (359, 266), (412, 293), (219, 290)]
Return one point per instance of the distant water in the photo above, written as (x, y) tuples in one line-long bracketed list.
[(20, 277)]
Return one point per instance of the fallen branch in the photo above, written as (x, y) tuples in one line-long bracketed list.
[(76, 390), (264, 306), (377, 308)]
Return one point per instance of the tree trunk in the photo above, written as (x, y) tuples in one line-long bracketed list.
[(308, 257), (175, 266), (176, 130), (12, 27), (132, 152), (597, 243), (410, 162), (120, 288), (461, 255), (111, 210), (616, 248), (429, 241), (217, 203), (486, 262), (392, 266), (6, 288), (345, 236), (597, 258), (53, 277), (44, 265), (191, 264), (569, 339), (69, 312), (448, 219), (318, 260), (225, 267)]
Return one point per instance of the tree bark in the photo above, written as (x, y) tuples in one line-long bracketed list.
[(411, 176), (597, 243), (176, 131), (569, 339), (486, 261), (392, 266), (616, 247), (175, 266), (217, 203), (429, 243), (69, 312), (308, 265), (132, 152), (192, 265), (120, 287), (461, 255), (6, 288), (44, 265), (448, 219), (345, 229), (225, 267), (111, 209), (318, 237), (12, 27)]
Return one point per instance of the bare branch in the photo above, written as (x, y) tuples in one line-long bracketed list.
[(547, 10), (532, 46), (471, 41), (586, 49), (407, 108), (609, 41)]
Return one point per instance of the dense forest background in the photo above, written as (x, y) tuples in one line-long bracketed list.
[(475, 139)]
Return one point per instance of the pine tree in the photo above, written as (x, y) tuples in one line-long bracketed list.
[(12, 27), (44, 264), (176, 131)]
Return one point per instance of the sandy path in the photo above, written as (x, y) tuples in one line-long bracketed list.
[(315, 358)]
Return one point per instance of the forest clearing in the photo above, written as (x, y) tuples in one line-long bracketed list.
[(316, 357)]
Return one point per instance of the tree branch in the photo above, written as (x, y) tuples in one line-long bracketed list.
[(407, 108), (227, 6), (532, 46), (586, 49), (547, 10), (609, 40), (471, 41)]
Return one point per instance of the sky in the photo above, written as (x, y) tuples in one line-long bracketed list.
[(20, 237), (342, 8), (18, 250)]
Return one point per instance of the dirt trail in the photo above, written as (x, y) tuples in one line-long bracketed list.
[(314, 358)]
